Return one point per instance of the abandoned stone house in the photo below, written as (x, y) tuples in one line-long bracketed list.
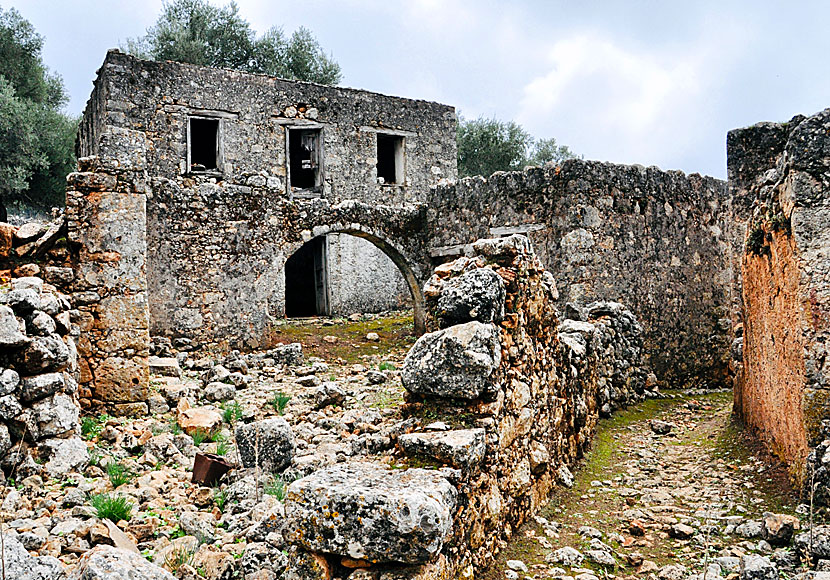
[(209, 203), (223, 148)]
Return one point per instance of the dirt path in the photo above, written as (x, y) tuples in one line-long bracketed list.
[(647, 500)]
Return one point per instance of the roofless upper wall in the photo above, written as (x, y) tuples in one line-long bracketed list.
[(236, 127)]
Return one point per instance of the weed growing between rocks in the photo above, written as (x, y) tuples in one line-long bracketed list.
[(112, 507)]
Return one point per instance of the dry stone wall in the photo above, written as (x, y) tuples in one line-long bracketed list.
[(514, 396), (778, 175), (657, 241), (39, 411)]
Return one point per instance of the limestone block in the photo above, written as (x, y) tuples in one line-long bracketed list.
[(56, 415), (463, 448), (40, 386), (10, 331), (456, 362), (366, 511), (120, 380), (45, 354), (475, 295), (110, 563), (271, 440)]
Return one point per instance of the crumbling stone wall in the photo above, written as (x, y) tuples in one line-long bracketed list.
[(39, 427), (215, 239), (657, 241), (778, 175), (511, 397)]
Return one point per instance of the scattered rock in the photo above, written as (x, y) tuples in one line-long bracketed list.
[(110, 563), (755, 567), (270, 441), (661, 427)]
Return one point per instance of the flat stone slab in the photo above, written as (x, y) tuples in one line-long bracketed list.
[(463, 448), (165, 366), (370, 512)]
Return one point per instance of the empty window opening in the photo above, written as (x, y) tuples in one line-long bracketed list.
[(204, 144), (390, 158), (306, 288), (305, 158)]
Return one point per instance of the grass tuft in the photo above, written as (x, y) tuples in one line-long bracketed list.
[(110, 506)]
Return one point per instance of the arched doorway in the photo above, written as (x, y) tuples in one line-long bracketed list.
[(307, 288)]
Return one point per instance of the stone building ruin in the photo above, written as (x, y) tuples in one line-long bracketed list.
[(203, 195)]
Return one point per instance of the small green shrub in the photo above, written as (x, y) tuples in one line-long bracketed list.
[(780, 223), (110, 506), (223, 448), (280, 402), (118, 474), (202, 435), (181, 556), (386, 366), (756, 241), (175, 428), (220, 498), (277, 487), (91, 427), (231, 412)]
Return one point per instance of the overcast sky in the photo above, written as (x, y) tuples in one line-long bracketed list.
[(650, 82)]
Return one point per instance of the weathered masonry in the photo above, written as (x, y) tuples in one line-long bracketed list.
[(229, 157), (217, 187)]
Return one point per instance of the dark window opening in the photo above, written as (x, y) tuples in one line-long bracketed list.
[(204, 144), (390, 158), (305, 158), (306, 288)]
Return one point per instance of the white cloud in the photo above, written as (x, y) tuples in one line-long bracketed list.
[(628, 102)]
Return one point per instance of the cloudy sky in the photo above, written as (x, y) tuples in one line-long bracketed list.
[(652, 82)]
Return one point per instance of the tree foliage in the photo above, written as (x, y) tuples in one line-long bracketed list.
[(36, 138), (489, 145), (197, 32)]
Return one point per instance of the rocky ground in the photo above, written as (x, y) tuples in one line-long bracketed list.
[(340, 395), (670, 488)]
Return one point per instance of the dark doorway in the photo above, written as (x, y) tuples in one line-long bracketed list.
[(306, 290)]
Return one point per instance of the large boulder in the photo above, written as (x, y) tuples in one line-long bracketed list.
[(109, 563), (475, 295), (456, 362), (271, 441), (366, 511)]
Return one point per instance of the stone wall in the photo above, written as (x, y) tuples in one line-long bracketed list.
[(778, 175), (512, 395), (39, 427), (361, 280), (215, 243), (657, 241)]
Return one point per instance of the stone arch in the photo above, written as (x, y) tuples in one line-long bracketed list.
[(407, 265)]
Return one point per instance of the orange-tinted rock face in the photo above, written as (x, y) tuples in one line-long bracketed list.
[(770, 400)]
